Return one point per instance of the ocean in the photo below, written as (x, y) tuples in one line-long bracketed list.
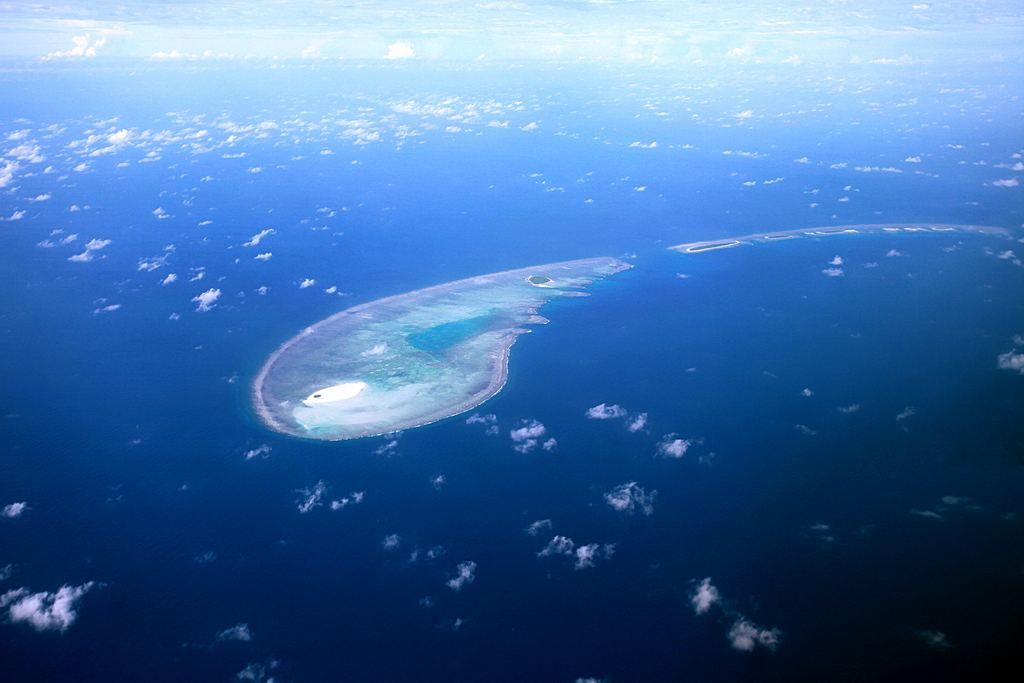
[(851, 468)]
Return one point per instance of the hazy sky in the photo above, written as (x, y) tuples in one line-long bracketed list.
[(897, 33)]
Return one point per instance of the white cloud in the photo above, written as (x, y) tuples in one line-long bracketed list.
[(836, 261), (170, 277), (530, 127), (13, 510), (588, 555), (239, 632), (746, 636), (391, 542), (631, 497), (31, 153), (603, 411), (400, 49), (744, 115), (85, 47), (262, 450), (795, 60), (311, 498), (525, 437), (160, 214), (41, 197), (7, 171), (638, 422), (45, 611), (538, 526), (937, 640), (264, 256), (207, 300), (642, 145), (380, 350), (308, 282), (259, 673), (465, 573), (705, 597), (833, 272), (259, 237), (354, 498), (672, 447), (744, 52), (877, 169), (15, 216), (1011, 361), (907, 412), (91, 246), (559, 545), (914, 159), (1006, 182)]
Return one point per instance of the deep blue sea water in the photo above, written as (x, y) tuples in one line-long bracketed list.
[(126, 432)]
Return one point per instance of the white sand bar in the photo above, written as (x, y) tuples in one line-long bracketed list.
[(339, 392)]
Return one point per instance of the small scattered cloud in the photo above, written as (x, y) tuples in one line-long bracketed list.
[(1006, 182), (91, 247), (238, 632), (1011, 360), (109, 308), (382, 348), (746, 636), (630, 498), (307, 283), (259, 237), (45, 611), (14, 510), (637, 423), (704, 597), (465, 573), (538, 526), (558, 545), (603, 411), (83, 47), (311, 498), (671, 446), (354, 498), (400, 49), (206, 301), (525, 437), (936, 640), (588, 555), (261, 451)]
